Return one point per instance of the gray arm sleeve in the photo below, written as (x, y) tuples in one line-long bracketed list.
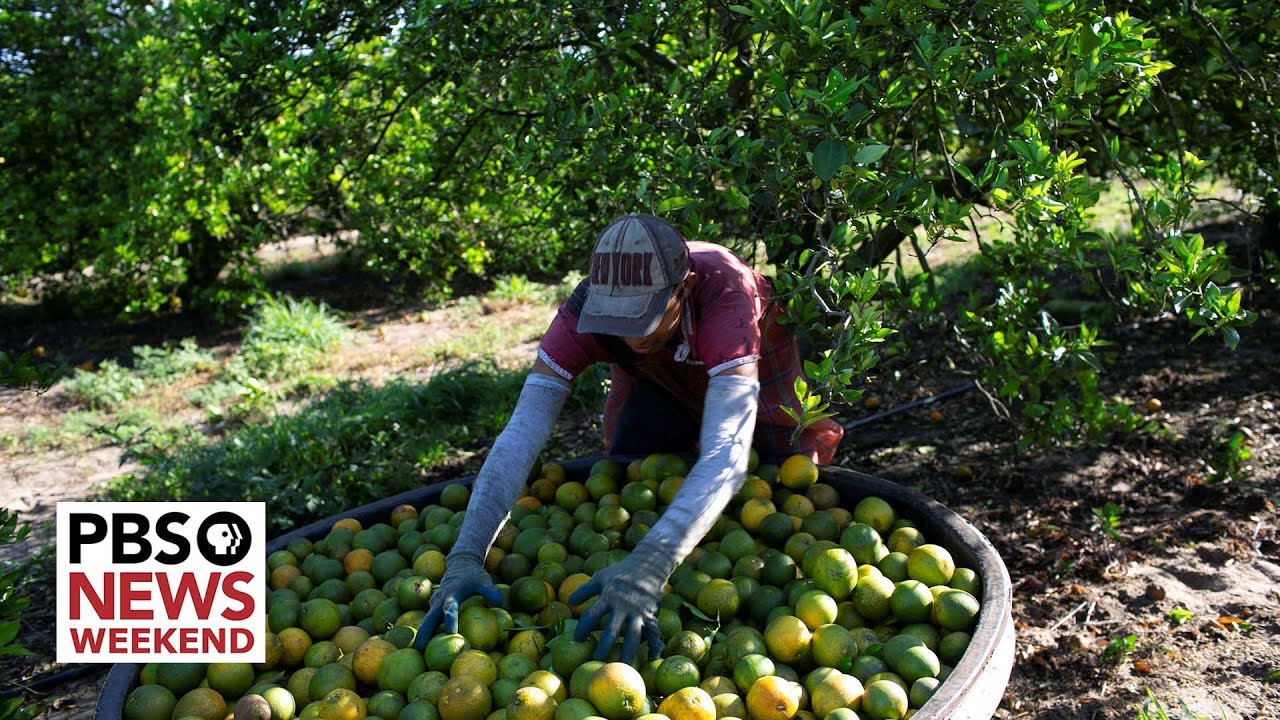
[(506, 469), (728, 426)]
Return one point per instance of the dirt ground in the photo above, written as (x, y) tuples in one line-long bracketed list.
[(1185, 537)]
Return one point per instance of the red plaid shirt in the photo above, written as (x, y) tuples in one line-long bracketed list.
[(729, 320)]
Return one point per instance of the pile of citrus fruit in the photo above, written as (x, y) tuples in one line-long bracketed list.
[(791, 607)]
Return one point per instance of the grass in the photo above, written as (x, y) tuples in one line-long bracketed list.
[(287, 336), (1153, 709), (279, 419)]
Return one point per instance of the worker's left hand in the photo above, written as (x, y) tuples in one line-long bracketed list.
[(629, 591)]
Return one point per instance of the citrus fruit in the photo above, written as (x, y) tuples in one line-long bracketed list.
[(526, 642), (531, 703), (836, 691), (581, 679), (718, 685), (930, 564), (442, 650), (875, 512), (149, 702), (455, 497), (367, 659), (788, 639), (299, 686), (330, 677), (833, 646), (204, 703), (918, 662), (479, 626), (911, 601), (281, 701), (816, 608), (549, 682), (967, 580), (475, 663), (921, 690), (464, 698), (864, 543), (754, 511), (729, 705), (952, 646), (774, 698), (871, 597), (676, 672), (399, 668), (750, 668), (687, 643), (617, 691), (341, 704), (884, 700), (319, 655), (574, 709), (904, 540), (835, 571), (718, 599), (320, 618), (384, 704), (798, 472), (689, 703), (955, 610), (180, 678), (427, 687)]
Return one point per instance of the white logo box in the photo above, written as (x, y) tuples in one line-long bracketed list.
[(161, 582)]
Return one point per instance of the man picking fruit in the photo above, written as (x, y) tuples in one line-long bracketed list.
[(699, 363)]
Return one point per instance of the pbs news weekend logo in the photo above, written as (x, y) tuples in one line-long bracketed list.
[(161, 582)]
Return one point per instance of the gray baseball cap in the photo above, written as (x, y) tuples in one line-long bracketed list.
[(637, 262)]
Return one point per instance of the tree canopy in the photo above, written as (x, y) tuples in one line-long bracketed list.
[(149, 149)]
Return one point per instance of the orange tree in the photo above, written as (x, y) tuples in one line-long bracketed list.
[(836, 142)]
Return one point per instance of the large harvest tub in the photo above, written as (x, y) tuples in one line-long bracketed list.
[(975, 687)]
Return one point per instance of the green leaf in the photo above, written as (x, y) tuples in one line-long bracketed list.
[(8, 631), (1231, 337), (828, 157), (868, 154)]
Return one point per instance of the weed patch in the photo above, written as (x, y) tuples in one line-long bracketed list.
[(355, 444)]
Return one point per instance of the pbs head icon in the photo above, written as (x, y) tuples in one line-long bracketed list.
[(224, 538)]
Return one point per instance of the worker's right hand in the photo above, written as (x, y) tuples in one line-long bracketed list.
[(463, 578)]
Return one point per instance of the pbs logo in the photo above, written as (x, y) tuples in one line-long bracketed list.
[(223, 538)]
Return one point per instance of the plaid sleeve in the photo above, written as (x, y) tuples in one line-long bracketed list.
[(728, 332)]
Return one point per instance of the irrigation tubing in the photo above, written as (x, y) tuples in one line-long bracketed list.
[(46, 682), (966, 387)]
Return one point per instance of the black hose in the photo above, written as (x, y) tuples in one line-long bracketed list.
[(966, 387), (45, 682)]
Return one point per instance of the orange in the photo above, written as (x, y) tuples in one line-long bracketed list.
[(350, 524), (773, 698), (617, 691), (690, 703), (798, 472), (358, 559)]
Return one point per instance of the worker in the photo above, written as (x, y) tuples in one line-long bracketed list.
[(700, 365)]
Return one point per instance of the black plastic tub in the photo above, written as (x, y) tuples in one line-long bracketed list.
[(973, 690)]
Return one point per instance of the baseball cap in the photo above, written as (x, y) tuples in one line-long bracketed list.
[(637, 262)]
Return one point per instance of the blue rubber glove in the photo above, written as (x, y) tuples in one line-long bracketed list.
[(630, 589), (463, 578), (629, 592), (496, 489)]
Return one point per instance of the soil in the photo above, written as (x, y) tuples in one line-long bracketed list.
[(1095, 633)]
